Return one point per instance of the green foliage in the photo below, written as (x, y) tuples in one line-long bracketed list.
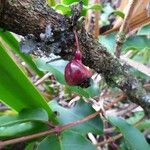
[(15, 87), (118, 13), (57, 69), (75, 137), (32, 112), (20, 129), (145, 30), (51, 2), (140, 46), (26, 122), (65, 7), (144, 125), (81, 110), (65, 141), (68, 2), (25, 115), (136, 117), (13, 43), (132, 136)]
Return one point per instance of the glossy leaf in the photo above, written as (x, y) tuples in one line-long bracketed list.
[(16, 90), (80, 110), (24, 116), (20, 129), (56, 68), (133, 136), (68, 140)]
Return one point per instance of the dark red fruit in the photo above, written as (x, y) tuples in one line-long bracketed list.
[(76, 72)]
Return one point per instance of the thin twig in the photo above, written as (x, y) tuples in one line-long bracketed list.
[(140, 67), (127, 109), (111, 139), (116, 100), (56, 129), (41, 80), (97, 17), (124, 27)]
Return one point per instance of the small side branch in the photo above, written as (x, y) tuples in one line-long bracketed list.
[(56, 129), (124, 27)]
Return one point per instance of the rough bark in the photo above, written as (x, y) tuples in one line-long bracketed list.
[(32, 17)]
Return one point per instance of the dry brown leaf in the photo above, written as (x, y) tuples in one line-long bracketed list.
[(139, 17)]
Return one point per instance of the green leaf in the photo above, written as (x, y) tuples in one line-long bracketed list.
[(68, 140), (65, 9), (20, 129), (51, 2), (108, 41), (16, 90), (95, 7), (136, 42), (94, 89), (30, 146), (25, 115), (133, 136), (144, 125), (68, 2), (145, 30), (118, 13), (136, 117), (79, 91), (14, 45), (80, 110), (57, 69)]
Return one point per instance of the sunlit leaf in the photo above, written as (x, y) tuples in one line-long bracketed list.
[(24, 116), (16, 90)]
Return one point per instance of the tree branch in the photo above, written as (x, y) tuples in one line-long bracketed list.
[(33, 16), (56, 129)]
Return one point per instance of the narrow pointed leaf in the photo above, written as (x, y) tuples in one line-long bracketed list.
[(133, 136), (16, 90), (24, 116)]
